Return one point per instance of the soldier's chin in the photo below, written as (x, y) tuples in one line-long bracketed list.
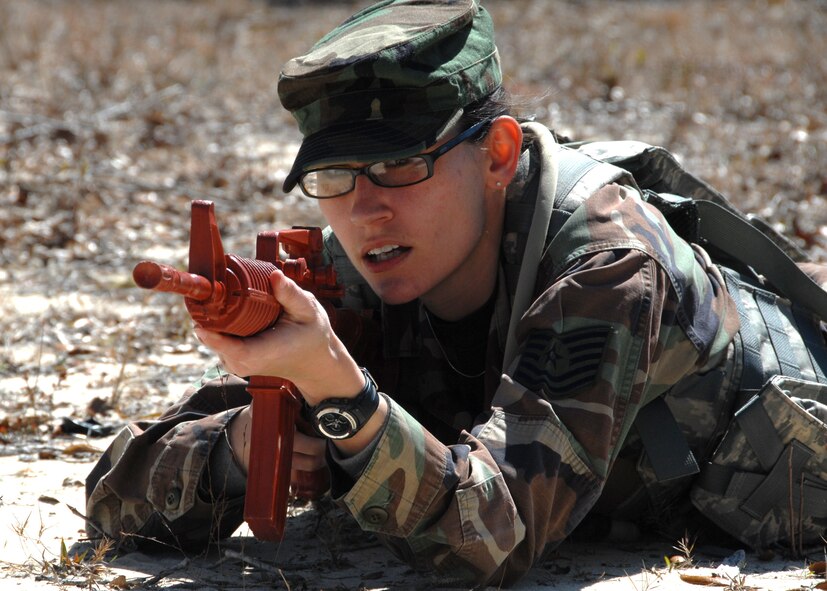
[(394, 292)]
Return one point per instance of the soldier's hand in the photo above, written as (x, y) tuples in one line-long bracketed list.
[(301, 347)]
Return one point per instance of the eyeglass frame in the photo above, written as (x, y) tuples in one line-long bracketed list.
[(428, 157)]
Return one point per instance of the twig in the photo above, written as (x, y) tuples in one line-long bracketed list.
[(285, 567), (88, 521), (38, 129), (259, 564), (114, 398), (165, 573), (30, 118)]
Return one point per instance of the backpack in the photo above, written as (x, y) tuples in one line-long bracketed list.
[(766, 481)]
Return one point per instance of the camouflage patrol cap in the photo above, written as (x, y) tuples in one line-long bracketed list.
[(389, 81)]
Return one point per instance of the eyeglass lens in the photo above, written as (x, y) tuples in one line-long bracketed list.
[(330, 182)]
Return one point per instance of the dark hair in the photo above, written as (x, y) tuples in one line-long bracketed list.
[(488, 108), (498, 103)]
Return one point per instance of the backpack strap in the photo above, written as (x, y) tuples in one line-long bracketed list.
[(567, 177), (737, 238), (546, 192), (580, 176), (752, 376), (814, 342), (787, 363), (664, 442)]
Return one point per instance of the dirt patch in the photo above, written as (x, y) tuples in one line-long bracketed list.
[(114, 115), (322, 549)]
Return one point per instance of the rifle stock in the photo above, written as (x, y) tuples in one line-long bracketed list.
[(231, 294)]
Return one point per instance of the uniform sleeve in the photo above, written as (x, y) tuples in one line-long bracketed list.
[(627, 309), (173, 480)]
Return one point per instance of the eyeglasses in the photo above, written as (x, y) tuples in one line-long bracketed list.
[(326, 183)]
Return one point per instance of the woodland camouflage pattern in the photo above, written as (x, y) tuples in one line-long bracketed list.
[(162, 472), (625, 311), (398, 71)]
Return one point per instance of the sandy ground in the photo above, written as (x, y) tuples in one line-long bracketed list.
[(37, 518)]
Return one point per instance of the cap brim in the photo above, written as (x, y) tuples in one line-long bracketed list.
[(369, 141)]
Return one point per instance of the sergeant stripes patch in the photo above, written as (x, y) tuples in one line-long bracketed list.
[(559, 364)]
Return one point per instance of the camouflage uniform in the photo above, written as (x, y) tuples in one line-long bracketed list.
[(624, 311), (479, 480)]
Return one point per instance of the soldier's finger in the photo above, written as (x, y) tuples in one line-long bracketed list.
[(309, 445), (296, 302), (307, 463)]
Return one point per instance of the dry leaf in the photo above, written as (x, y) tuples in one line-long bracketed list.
[(98, 405), (705, 580), (818, 568), (80, 448)]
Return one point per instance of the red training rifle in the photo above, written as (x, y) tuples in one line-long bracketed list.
[(232, 295)]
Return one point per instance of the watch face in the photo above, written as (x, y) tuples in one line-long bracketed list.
[(335, 423)]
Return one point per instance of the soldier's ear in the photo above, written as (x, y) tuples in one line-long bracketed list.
[(503, 145)]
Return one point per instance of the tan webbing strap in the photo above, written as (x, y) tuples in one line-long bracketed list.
[(740, 240), (535, 243)]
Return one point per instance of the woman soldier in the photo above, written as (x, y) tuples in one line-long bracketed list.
[(496, 438)]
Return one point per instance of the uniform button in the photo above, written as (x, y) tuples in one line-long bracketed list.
[(173, 498), (375, 515)]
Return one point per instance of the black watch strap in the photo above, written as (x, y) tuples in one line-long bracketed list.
[(341, 418)]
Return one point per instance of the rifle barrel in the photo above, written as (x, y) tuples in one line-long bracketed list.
[(159, 277)]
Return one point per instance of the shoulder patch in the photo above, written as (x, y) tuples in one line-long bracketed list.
[(558, 364)]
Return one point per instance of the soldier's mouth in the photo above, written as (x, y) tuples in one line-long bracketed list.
[(386, 253)]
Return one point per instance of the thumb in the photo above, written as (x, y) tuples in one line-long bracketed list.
[(295, 301)]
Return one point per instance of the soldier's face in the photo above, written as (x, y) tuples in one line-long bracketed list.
[(433, 240)]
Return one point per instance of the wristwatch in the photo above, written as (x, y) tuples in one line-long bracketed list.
[(341, 418)]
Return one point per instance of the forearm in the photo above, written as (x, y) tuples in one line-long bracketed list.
[(156, 478), (452, 504)]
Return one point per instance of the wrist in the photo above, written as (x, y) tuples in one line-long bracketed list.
[(339, 418), (346, 382), (367, 434)]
